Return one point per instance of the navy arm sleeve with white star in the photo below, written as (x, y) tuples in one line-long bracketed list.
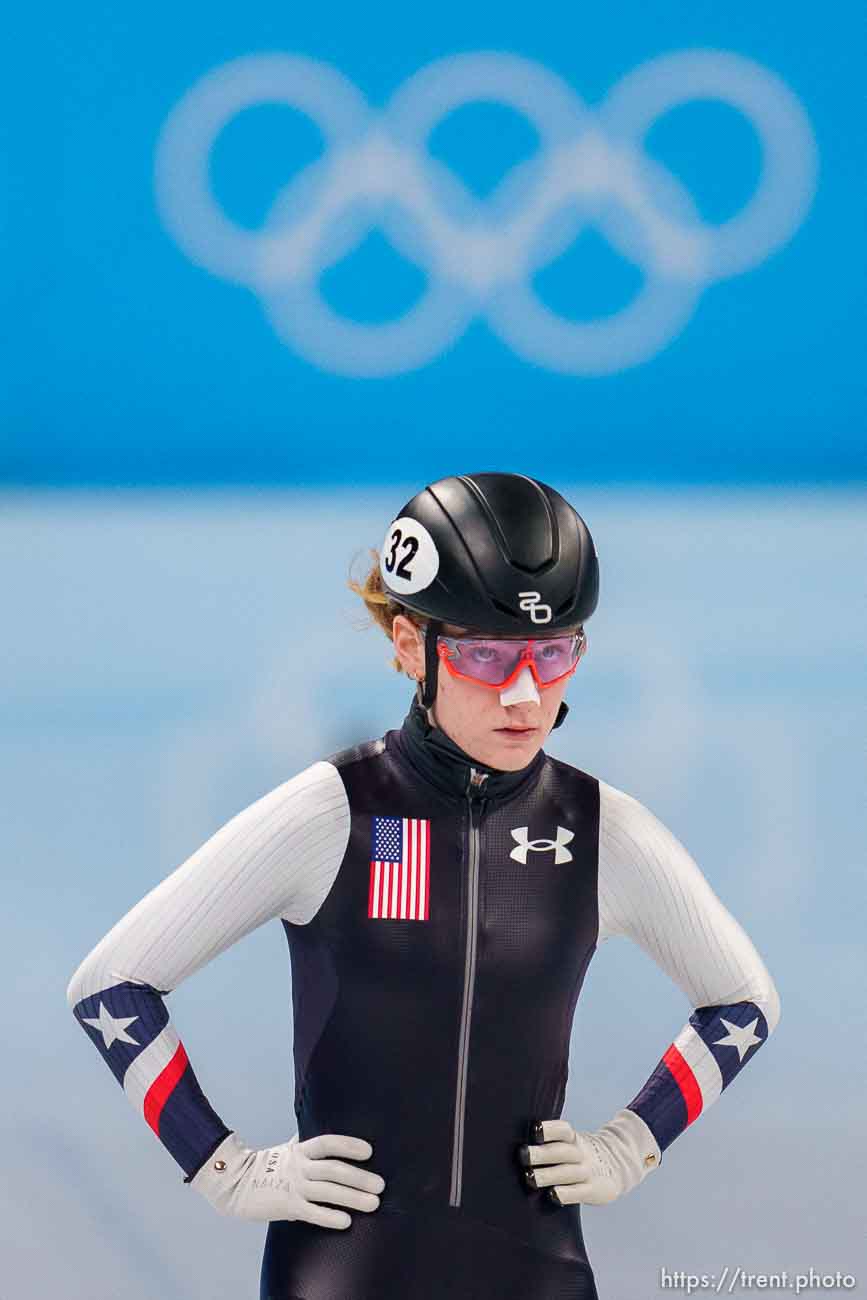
[(274, 859), (651, 890)]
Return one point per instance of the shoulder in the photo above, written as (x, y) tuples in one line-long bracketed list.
[(318, 787), (622, 815), (635, 846), (567, 775), (311, 803), (638, 851), (356, 753), (619, 812), (324, 780), (372, 771)]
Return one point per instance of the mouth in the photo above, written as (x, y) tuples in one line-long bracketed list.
[(516, 731)]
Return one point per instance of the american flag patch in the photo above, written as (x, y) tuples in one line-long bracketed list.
[(400, 869)]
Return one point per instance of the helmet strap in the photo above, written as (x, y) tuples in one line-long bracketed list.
[(561, 714), (427, 688)]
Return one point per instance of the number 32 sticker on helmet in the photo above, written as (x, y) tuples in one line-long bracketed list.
[(409, 558)]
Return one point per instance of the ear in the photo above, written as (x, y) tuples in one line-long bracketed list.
[(408, 646)]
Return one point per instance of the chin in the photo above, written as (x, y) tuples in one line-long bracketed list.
[(512, 763), (511, 758)]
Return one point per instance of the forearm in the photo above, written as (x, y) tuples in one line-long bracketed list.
[(708, 1053), (130, 1026)]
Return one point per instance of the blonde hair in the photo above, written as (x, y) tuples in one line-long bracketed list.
[(381, 607)]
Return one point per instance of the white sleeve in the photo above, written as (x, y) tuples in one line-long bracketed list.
[(651, 890), (277, 858)]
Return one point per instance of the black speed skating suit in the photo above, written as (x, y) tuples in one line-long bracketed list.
[(440, 918)]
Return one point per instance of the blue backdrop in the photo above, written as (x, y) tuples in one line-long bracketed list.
[(547, 259)]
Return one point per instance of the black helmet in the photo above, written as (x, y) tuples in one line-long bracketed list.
[(498, 553)]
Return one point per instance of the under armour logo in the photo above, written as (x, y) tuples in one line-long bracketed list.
[(525, 844)]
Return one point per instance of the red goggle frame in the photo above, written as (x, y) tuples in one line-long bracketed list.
[(497, 661)]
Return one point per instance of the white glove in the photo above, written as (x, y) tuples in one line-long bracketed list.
[(591, 1168), (287, 1181)]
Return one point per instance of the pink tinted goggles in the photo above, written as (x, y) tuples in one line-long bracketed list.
[(496, 662)]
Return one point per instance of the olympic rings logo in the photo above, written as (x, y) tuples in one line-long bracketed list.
[(479, 256)]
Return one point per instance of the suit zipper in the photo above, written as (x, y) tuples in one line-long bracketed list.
[(474, 783)]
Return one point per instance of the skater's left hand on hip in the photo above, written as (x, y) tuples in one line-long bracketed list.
[(589, 1168)]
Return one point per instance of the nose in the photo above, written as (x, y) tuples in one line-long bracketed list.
[(523, 690)]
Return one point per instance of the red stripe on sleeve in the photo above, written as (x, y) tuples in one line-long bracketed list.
[(162, 1088), (686, 1082)]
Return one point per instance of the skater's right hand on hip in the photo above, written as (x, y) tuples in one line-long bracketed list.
[(289, 1181)]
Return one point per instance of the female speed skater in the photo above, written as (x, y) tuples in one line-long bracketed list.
[(442, 890)]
